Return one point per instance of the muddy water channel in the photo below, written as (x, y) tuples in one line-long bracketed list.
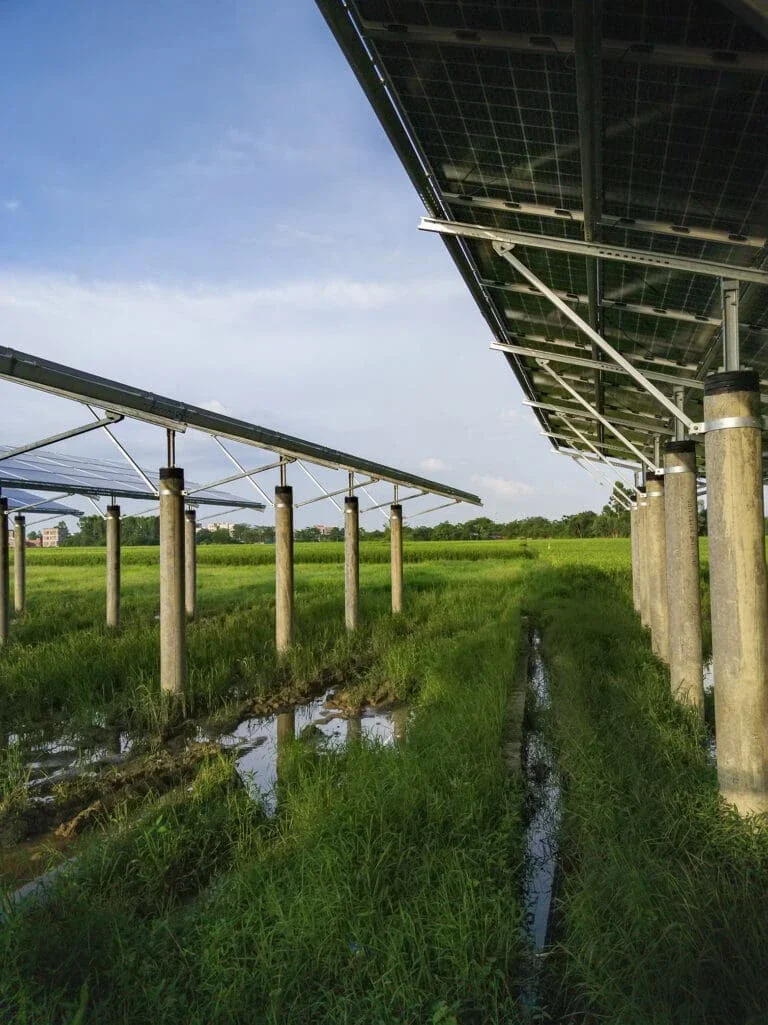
[(543, 823), (70, 783)]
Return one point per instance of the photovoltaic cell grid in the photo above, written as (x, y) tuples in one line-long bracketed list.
[(682, 120), (57, 471)]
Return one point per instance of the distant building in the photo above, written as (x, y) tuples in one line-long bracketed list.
[(34, 542), (323, 531), (50, 537), (229, 527)]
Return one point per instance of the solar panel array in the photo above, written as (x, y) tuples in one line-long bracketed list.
[(482, 102), (106, 478)]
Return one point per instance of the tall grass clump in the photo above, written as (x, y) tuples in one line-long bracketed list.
[(385, 890), (663, 899)]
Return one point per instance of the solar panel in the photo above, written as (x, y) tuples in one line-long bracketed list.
[(645, 128), (58, 471)]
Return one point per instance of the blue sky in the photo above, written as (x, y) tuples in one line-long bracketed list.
[(196, 198)]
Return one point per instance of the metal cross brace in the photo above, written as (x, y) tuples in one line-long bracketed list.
[(109, 418)]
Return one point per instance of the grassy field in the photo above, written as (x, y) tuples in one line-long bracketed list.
[(386, 889)]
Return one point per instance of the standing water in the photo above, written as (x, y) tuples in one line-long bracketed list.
[(541, 835)]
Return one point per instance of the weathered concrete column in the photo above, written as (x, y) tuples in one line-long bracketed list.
[(396, 534), (733, 445), (5, 576), (642, 557), (682, 525), (399, 724), (656, 565), (19, 564), (286, 727), (173, 641), (190, 568), (283, 568), (354, 725), (112, 524), (635, 556), (351, 562)]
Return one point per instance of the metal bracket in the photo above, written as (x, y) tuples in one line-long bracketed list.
[(724, 422)]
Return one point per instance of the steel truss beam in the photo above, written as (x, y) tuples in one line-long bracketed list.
[(626, 51), (42, 501), (109, 418), (577, 216), (623, 254), (632, 423), (643, 309), (582, 361)]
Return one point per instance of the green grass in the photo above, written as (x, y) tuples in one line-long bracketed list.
[(385, 890), (663, 903)]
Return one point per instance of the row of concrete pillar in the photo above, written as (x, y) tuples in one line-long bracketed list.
[(665, 579), (178, 570)]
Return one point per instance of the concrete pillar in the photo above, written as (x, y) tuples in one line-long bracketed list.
[(19, 564), (283, 568), (733, 445), (112, 524), (656, 565), (5, 577), (190, 568), (351, 562), (642, 557), (633, 528), (396, 533), (681, 516), (173, 641)]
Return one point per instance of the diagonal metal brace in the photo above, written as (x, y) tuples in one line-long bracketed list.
[(598, 416), (108, 418), (505, 251)]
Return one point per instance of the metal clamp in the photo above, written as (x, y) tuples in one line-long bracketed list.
[(678, 469), (724, 423)]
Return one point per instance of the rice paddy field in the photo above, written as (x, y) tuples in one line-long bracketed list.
[(381, 875)]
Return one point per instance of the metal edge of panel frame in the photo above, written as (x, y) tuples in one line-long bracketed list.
[(107, 491), (345, 26), (80, 386)]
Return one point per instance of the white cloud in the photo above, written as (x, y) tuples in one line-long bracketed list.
[(501, 486), (432, 464), (517, 417), (11, 205)]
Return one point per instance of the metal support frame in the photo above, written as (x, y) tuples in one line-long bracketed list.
[(348, 490), (593, 448), (109, 418), (240, 467), (504, 250), (574, 215), (636, 424), (598, 416), (729, 291), (434, 508), (626, 50), (43, 501), (646, 258), (398, 501), (233, 477), (96, 506), (621, 306), (583, 361), (315, 481), (632, 467), (121, 448), (597, 476)]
